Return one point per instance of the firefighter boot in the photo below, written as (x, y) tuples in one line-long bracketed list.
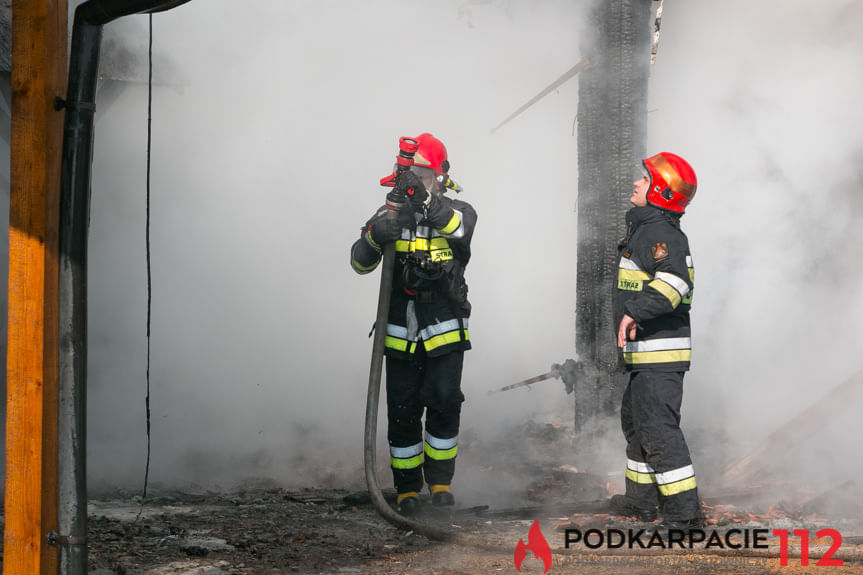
[(620, 505), (409, 504), (441, 495)]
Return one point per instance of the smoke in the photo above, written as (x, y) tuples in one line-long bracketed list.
[(265, 164), (265, 161), (763, 103)]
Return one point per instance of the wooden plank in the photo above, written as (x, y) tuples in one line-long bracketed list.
[(788, 438), (39, 29)]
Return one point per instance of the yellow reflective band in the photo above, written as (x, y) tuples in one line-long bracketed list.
[(403, 246), (396, 343), (400, 344), (640, 477), (439, 244), (443, 339), (669, 292), (670, 356), (362, 268), (453, 224), (371, 240), (678, 486), (409, 463), (441, 255), (688, 298), (632, 275), (441, 454), (439, 489), (420, 244)]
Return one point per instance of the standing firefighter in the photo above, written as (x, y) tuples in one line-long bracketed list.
[(427, 329), (654, 293)]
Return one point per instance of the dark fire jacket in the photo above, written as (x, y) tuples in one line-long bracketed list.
[(429, 304), (655, 278)]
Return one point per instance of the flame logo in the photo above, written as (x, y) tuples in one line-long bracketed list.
[(535, 542)]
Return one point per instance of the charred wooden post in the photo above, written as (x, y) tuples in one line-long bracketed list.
[(612, 134)]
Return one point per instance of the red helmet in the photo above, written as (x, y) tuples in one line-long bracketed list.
[(672, 182), (431, 153)]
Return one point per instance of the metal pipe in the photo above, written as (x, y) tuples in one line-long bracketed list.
[(75, 181)]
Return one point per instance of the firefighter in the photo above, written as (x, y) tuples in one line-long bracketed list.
[(427, 329), (654, 293)]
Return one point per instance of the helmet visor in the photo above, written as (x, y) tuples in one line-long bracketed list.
[(639, 172), (427, 175)]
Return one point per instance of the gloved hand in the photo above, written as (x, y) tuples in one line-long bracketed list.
[(412, 186), (385, 226)]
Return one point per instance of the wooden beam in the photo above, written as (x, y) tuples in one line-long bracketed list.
[(39, 32)]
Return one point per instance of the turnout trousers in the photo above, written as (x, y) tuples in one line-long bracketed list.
[(430, 385), (659, 470)]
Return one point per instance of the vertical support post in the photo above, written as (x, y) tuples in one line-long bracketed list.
[(612, 137), (39, 36)]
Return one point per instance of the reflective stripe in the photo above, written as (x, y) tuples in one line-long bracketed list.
[(403, 246), (632, 275), (454, 227), (372, 242), (675, 474), (678, 487), (422, 232), (675, 356), (666, 290), (439, 443), (439, 328), (676, 282), (397, 330), (364, 269), (411, 463), (405, 452), (628, 264), (689, 261), (444, 339), (660, 344), (441, 454), (396, 344), (400, 344), (640, 477), (638, 466)]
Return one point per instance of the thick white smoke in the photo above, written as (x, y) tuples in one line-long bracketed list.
[(265, 164)]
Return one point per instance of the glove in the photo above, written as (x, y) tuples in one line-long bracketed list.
[(384, 227), (412, 186)]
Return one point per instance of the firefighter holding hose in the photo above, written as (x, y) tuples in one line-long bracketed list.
[(653, 298), (427, 324)]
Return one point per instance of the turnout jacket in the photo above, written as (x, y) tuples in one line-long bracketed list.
[(429, 305), (655, 278)]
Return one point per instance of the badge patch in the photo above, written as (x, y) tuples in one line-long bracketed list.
[(660, 251)]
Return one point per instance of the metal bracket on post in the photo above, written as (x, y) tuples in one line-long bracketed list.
[(55, 538)]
